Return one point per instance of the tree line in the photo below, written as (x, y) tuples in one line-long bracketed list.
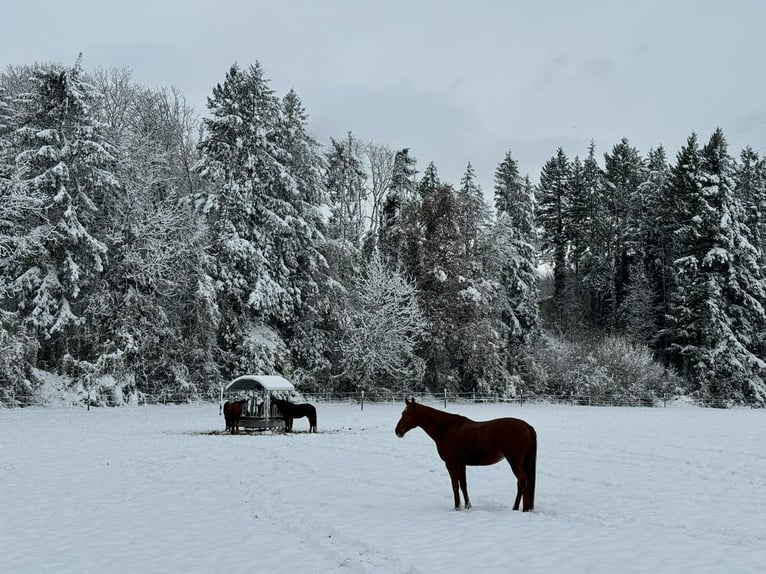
[(146, 250)]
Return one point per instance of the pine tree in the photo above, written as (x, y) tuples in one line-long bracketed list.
[(681, 203), (719, 298), (508, 184), (403, 175), (463, 349), (474, 211), (590, 234), (64, 162), (553, 215), (19, 350), (429, 183), (656, 227), (399, 204), (12, 204), (623, 174), (347, 193), (300, 206), (304, 253), (739, 371), (514, 246), (438, 284), (750, 190), (251, 204), (6, 130)]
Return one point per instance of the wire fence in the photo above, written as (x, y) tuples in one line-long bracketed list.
[(361, 398), (521, 399)]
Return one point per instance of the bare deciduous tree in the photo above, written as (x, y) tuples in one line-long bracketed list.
[(383, 325), (380, 159)]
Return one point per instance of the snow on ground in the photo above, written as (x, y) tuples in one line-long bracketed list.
[(148, 489)]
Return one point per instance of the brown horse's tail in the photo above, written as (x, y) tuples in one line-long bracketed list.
[(530, 465)]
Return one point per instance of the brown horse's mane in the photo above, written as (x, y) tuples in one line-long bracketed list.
[(441, 419)]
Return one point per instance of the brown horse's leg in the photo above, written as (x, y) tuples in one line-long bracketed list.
[(522, 491), (454, 474), (464, 487), (518, 496)]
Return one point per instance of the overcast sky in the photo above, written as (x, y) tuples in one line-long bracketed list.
[(454, 81)]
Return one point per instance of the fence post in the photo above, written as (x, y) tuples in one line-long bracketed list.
[(362, 400), (521, 398), (445, 397)]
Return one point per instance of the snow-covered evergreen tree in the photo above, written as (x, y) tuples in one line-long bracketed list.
[(346, 189), (750, 190), (308, 334), (64, 162), (430, 182), (464, 347), (591, 236), (17, 349), (398, 207), (256, 204), (302, 226), (655, 226), (683, 193), (513, 249), (554, 201), (474, 211), (508, 184), (718, 311), (6, 129), (13, 204), (623, 174), (152, 312)]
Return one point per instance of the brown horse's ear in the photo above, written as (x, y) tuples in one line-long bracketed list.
[(412, 400)]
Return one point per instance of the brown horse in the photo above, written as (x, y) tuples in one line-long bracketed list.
[(232, 411), (295, 411), (461, 441)]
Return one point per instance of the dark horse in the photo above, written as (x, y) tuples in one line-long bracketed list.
[(461, 441), (231, 412), (295, 411)]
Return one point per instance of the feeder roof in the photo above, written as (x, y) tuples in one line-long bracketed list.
[(259, 382)]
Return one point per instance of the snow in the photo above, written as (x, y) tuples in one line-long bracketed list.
[(161, 489)]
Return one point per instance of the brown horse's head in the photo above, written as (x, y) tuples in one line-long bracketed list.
[(409, 418)]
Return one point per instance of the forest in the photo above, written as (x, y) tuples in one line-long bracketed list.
[(148, 250)]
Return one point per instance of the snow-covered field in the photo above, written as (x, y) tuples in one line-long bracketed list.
[(148, 489)]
